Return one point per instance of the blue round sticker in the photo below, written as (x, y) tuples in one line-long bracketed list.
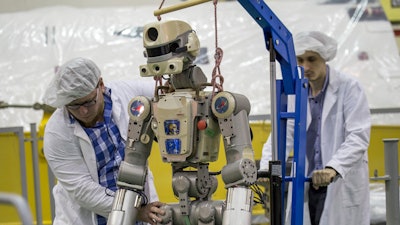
[(137, 108), (221, 105)]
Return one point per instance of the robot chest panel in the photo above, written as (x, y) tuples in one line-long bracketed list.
[(174, 107), (174, 116)]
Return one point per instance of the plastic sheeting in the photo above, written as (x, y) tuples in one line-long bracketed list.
[(34, 43)]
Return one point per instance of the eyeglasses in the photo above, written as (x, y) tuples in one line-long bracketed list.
[(86, 104)]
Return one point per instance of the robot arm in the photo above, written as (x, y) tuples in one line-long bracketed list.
[(240, 172), (232, 112), (133, 170)]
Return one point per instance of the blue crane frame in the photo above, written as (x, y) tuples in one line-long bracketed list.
[(293, 83)]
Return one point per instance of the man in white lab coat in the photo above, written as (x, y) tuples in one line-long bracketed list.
[(84, 143), (338, 133)]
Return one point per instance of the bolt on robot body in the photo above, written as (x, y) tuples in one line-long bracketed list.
[(187, 122)]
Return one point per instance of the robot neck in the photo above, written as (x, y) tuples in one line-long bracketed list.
[(193, 77)]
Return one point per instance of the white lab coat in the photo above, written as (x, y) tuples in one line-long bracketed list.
[(69, 152), (345, 134)]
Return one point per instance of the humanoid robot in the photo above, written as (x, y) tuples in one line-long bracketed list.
[(187, 122)]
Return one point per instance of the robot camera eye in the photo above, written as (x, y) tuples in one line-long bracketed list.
[(156, 68), (174, 46), (152, 34)]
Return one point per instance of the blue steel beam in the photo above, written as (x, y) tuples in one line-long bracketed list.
[(291, 84), (281, 37)]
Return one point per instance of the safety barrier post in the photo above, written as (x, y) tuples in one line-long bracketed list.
[(392, 183), (391, 179), (36, 174)]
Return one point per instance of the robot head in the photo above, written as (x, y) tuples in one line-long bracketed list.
[(171, 46)]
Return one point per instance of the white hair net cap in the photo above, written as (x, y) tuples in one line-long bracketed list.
[(73, 80), (317, 42)]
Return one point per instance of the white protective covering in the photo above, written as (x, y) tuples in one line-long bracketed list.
[(73, 80), (35, 42)]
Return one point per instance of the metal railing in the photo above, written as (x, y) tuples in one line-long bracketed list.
[(391, 179), (20, 204)]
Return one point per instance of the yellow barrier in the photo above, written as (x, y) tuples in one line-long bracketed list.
[(10, 175)]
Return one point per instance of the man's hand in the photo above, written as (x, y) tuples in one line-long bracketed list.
[(149, 213), (323, 177)]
